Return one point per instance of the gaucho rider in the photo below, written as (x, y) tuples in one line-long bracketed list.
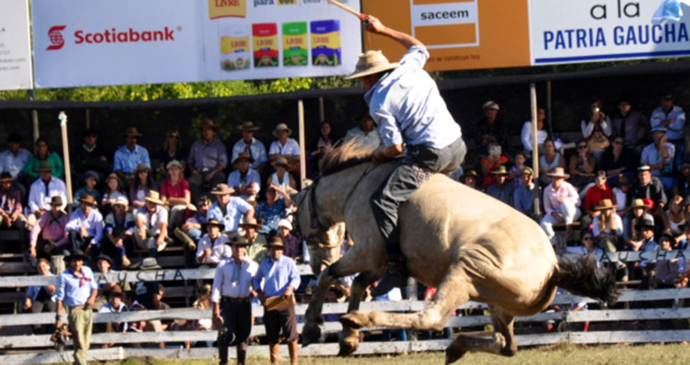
[(407, 106)]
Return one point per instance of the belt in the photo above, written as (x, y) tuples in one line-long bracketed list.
[(76, 307), (246, 299)]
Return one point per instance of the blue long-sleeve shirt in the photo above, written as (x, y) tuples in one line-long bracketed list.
[(277, 275)]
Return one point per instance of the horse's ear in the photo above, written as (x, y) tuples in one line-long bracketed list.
[(297, 198)]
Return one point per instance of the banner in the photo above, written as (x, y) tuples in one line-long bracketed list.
[(87, 43), (15, 45)]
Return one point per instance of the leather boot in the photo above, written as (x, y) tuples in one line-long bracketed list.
[(241, 353), (274, 349), (396, 275), (293, 348)]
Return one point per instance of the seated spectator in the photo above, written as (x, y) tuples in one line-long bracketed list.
[(667, 272), (90, 156), (172, 151), (586, 246), (321, 145), (516, 170), (523, 197), (51, 229), (526, 135), (115, 304), (41, 298), (157, 303), (285, 147), (365, 134), (244, 180), (229, 210), (128, 157), (103, 266), (682, 240), (191, 231), (145, 290), (548, 161), (14, 158), (251, 145), (582, 166), (490, 129), (213, 246), (607, 227), (594, 196), (491, 163), (617, 160), (119, 229), (91, 179), (256, 242), (293, 247), (596, 127), (471, 179), (620, 193), (151, 225), (270, 211), (669, 116), (674, 217), (43, 154), (682, 187), (560, 204), (659, 156), (638, 210), (650, 189), (112, 192), (142, 184), (501, 189), (42, 190), (129, 297), (176, 193), (630, 125), (281, 177), (11, 204), (645, 243), (207, 160), (85, 227)]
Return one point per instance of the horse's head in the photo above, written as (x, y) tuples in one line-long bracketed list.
[(324, 239)]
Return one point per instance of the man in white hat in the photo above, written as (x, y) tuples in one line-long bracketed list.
[(285, 146), (415, 118), (151, 224)]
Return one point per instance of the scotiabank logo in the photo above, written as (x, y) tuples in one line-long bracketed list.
[(112, 35), (56, 38)]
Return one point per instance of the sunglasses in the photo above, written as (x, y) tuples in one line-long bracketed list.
[(618, 143), (581, 147), (586, 238)]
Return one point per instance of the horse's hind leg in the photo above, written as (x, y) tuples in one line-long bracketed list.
[(502, 341), (349, 338)]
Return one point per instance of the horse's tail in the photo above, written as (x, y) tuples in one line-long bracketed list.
[(582, 277)]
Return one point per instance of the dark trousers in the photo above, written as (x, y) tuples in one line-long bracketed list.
[(237, 326), (405, 180), (78, 242)]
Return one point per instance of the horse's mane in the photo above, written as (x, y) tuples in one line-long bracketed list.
[(343, 157)]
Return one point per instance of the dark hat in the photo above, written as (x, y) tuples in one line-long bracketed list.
[(238, 241), (132, 131), (665, 95), (56, 200), (215, 222), (88, 199), (501, 170), (243, 155), (148, 263), (646, 221), (14, 138), (5, 177), (44, 166), (208, 123), (248, 126), (276, 242), (77, 255), (222, 189), (90, 132), (623, 180), (93, 174), (104, 257), (116, 291), (668, 236)]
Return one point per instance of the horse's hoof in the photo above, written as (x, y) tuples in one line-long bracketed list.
[(310, 333), (454, 354), (349, 343), (355, 320)]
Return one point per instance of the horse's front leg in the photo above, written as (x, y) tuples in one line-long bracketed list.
[(349, 337)]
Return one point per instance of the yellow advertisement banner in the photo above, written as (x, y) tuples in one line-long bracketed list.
[(227, 8), (459, 34)]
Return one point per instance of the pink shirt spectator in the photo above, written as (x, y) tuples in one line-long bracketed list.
[(177, 191), (50, 228), (551, 197)]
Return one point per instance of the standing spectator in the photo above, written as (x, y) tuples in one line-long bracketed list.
[(90, 156), (43, 153), (14, 158), (231, 297), (491, 129), (128, 157), (119, 229), (282, 177), (157, 303), (115, 304), (549, 161), (41, 298), (42, 190), (293, 246), (280, 279), (244, 180), (142, 184), (85, 227), (501, 190), (659, 156), (365, 134), (10, 204), (229, 210), (270, 211), (103, 267), (212, 246), (190, 233), (172, 151), (526, 135), (630, 125), (594, 196), (596, 124), (582, 166), (523, 197), (176, 194), (51, 228), (323, 144), (151, 225), (560, 204), (256, 248), (284, 147), (76, 295), (620, 194), (112, 193), (491, 163), (616, 160), (91, 179), (650, 190), (207, 160), (251, 145), (669, 116), (607, 227)]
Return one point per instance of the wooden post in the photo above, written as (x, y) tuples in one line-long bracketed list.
[(65, 153), (535, 147), (302, 144), (322, 111), (34, 117), (57, 262)]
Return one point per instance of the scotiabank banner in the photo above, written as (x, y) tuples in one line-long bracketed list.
[(96, 42), (15, 45)]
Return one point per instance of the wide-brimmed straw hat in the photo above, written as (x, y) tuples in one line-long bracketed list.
[(154, 197), (121, 200), (638, 203), (558, 172), (215, 222), (208, 124), (281, 127), (526, 171), (243, 155), (88, 199), (469, 173), (56, 200), (77, 255), (132, 131), (605, 204), (112, 176), (371, 62), (501, 170), (222, 189), (248, 126), (6, 177), (44, 166), (276, 242), (280, 161), (251, 223)]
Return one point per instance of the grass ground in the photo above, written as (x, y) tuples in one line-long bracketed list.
[(559, 354)]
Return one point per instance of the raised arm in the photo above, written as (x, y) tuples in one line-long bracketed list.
[(374, 25)]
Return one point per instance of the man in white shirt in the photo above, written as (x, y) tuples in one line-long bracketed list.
[(251, 145), (365, 133), (151, 225), (42, 190), (212, 246), (285, 146), (671, 117)]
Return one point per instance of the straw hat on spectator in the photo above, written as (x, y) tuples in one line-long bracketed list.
[(469, 173), (280, 161), (501, 170), (173, 163), (491, 105), (208, 123), (6, 177), (526, 171), (44, 166), (248, 126), (141, 167), (281, 127), (121, 200), (110, 177), (215, 222), (276, 242), (88, 199), (243, 156), (370, 63), (153, 197), (222, 189), (558, 172), (605, 204), (56, 200), (132, 131), (638, 203), (251, 223)]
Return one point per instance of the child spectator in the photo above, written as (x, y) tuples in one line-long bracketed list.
[(112, 191), (143, 183), (91, 179), (191, 231)]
